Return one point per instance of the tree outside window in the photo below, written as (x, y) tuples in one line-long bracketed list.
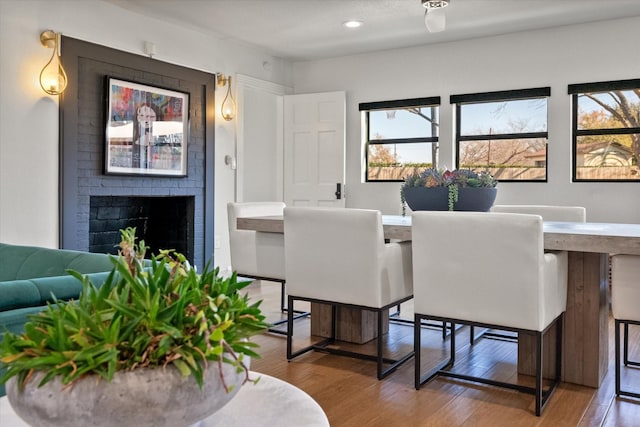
[(401, 137), (606, 130), (503, 133)]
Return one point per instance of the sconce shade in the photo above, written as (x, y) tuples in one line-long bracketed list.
[(228, 109), (434, 19), (53, 78)]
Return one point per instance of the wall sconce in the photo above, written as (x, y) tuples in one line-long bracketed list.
[(53, 78), (228, 109)]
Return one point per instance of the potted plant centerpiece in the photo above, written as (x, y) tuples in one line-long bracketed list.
[(441, 190), (156, 345)]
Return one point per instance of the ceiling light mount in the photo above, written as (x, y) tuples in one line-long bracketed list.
[(435, 4)]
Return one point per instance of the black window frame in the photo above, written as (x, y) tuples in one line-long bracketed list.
[(367, 107), (575, 90), (497, 96)]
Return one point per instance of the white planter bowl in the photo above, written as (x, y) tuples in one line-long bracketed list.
[(159, 397)]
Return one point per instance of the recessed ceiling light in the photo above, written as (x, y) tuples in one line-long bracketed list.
[(352, 24)]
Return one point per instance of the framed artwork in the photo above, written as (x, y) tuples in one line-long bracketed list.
[(147, 130)]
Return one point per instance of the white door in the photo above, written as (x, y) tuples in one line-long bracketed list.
[(314, 149)]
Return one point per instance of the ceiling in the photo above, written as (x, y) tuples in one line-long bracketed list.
[(301, 30)]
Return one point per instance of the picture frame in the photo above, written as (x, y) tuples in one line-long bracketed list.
[(146, 130)]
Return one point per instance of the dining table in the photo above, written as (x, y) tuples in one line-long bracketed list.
[(585, 336)]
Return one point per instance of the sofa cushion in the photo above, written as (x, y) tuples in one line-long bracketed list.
[(64, 287), (18, 294), (26, 262)]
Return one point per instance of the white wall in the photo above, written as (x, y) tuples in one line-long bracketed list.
[(554, 57), (29, 118), (259, 167), (259, 140)]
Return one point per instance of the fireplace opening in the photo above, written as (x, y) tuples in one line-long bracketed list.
[(162, 222)]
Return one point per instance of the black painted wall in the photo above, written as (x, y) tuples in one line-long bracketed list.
[(82, 124)]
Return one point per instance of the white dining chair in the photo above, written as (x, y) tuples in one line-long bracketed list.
[(548, 213), (338, 256), (258, 255), (488, 270), (625, 305)]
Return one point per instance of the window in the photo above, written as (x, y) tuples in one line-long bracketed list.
[(606, 130), (504, 133), (401, 137)]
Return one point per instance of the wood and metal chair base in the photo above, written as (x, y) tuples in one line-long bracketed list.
[(625, 355), (298, 314), (442, 326), (323, 345), (490, 333), (443, 369), (625, 347)]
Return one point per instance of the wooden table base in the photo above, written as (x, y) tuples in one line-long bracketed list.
[(586, 335), (353, 325)]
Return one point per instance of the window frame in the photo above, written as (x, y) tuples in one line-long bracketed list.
[(367, 107), (575, 90), (498, 96)]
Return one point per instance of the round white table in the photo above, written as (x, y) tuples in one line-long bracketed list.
[(271, 402)]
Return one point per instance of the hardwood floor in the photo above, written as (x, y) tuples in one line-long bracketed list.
[(350, 394)]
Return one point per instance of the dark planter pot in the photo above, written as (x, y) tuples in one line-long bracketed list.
[(437, 199)]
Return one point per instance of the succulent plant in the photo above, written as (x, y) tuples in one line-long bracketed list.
[(433, 177), (455, 179), (142, 316)]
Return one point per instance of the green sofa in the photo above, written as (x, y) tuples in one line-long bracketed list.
[(30, 276)]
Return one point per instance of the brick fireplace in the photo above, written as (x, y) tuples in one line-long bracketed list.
[(162, 222), (168, 212)]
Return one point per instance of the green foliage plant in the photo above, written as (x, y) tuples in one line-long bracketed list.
[(453, 180), (140, 317)]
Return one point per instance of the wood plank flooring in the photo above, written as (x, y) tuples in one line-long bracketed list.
[(350, 394)]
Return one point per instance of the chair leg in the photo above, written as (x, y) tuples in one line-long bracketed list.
[(298, 314), (290, 318), (419, 379), (324, 345), (625, 347), (282, 291), (539, 355), (283, 307), (617, 355), (380, 359), (626, 344), (559, 337), (417, 345), (290, 330), (541, 396), (379, 344), (489, 334), (452, 349)]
